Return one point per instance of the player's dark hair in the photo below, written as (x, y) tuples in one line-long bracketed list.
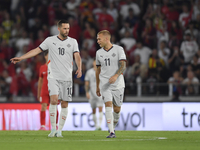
[(45, 53), (60, 22)]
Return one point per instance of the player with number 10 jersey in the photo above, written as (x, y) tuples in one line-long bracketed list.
[(60, 68)]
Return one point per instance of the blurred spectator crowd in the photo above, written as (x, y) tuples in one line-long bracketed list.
[(160, 37)]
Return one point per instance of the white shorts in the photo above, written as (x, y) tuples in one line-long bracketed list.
[(97, 102), (116, 96), (61, 88)]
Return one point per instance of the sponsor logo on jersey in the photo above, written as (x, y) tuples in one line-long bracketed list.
[(101, 56), (54, 43), (68, 45), (113, 55)]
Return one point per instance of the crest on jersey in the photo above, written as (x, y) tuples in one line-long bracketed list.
[(68, 45), (113, 55)]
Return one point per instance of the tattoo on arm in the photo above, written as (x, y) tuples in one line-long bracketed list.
[(122, 67)]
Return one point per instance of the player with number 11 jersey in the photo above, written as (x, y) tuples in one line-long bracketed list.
[(109, 62)]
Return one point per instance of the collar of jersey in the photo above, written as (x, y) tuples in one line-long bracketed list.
[(108, 49), (61, 39)]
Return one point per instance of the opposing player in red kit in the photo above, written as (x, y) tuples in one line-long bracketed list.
[(43, 93)]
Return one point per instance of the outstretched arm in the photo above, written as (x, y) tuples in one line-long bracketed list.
[(30, 54), (122, 67), (78, 63), (98, 70)]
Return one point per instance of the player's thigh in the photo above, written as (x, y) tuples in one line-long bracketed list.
[(106, 95), (65, 93), (93, 104), (53, 87), (118, 96), (99, 102)]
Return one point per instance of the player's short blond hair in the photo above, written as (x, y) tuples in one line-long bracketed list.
[(104, 32)]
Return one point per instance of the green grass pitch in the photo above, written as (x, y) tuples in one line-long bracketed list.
[(96, 140)]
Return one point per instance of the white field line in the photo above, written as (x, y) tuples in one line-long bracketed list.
[(106, 140)]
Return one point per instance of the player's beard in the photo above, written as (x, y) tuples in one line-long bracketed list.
[(64, 35)]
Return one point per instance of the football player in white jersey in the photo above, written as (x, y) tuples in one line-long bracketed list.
[(94, 100), (61, 48), (111, 63)]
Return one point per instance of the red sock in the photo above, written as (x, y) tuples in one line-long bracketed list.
[(57, 117), (42, 117)]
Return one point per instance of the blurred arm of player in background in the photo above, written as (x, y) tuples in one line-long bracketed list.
[(87, 88), (98, 80)]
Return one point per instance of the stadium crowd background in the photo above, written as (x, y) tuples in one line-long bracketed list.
[(160, 37)]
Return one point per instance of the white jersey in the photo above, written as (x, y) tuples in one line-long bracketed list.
[(90, 76), (60, 63), (189, 49), (109, 62)]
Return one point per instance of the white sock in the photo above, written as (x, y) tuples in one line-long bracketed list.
[(53, 114), (109, 118), (100, 118), (116, 118), (94, 119), (63, 117)]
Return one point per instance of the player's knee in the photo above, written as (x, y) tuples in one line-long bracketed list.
[(94, 111), (117, 110), (54, 101), (44, 107), (100, 109), (64, 104), (108, 104)]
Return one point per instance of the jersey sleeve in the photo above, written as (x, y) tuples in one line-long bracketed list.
[(76, 49), (44, 45), (40, 72), (87, 76), (122, 55), (97, 60)]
